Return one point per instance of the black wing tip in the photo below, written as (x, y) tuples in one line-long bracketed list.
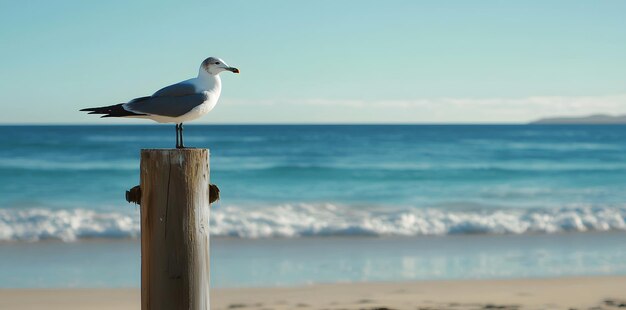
[(116, 110)]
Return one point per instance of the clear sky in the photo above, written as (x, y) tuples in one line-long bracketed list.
[(318, 61)]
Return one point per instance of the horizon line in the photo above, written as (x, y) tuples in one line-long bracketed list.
[(307, 124)]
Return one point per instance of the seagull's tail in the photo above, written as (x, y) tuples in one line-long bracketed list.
[(116, 110)]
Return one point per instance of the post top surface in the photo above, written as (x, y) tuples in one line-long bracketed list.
[(187, 149), (183, 152)]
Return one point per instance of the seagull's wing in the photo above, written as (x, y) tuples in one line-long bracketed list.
[(176, 90), (173, 101)]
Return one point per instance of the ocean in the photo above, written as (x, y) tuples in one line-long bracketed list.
[(324, 203)]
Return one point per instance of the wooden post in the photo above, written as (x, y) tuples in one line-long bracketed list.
[(175, 229)]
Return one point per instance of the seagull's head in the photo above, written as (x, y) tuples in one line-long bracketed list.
[(214, 66)]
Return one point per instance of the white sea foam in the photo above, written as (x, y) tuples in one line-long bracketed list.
[(65, 225), (330, 220), (302, 220)]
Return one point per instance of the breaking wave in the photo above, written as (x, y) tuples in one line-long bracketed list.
[(65, 225), (304, 220)]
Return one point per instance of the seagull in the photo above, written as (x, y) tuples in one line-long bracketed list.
[(177, 103)]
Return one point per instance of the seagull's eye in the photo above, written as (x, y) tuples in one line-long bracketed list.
[(217, 63)]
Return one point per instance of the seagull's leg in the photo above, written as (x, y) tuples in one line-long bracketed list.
[(182, 144), (177, 135)]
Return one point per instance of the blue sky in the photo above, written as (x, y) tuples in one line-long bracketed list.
[(319, 61)]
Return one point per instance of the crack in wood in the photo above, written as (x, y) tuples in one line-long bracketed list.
[(167, 199)]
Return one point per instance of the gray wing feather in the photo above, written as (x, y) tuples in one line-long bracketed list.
[(176, 90), (166, 106)]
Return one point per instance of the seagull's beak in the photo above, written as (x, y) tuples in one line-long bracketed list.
[(233, 69)]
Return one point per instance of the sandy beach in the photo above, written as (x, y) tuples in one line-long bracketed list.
[(560, 293)]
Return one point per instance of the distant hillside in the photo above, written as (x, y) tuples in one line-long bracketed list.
[(597, 119)]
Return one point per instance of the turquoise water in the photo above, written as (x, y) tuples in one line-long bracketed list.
[(306, 186)]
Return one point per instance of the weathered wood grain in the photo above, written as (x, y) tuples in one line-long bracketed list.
[(174, 229)]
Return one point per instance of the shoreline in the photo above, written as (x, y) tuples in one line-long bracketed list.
[(305, 261), (599, 292)]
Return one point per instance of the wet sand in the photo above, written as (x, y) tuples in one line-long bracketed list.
[(559, 293)]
